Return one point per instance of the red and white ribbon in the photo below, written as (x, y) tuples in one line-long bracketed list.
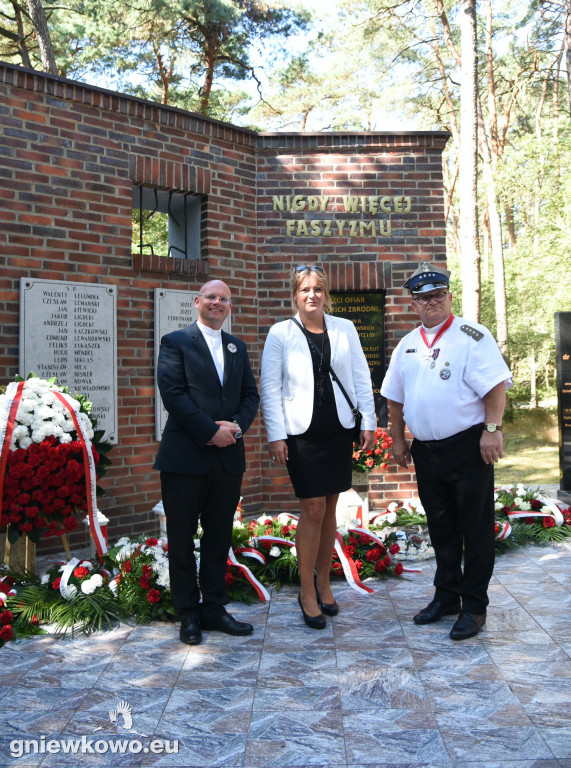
[(251, 552), (273, 540), (7, 422), (261, 591), (504, 532), (349, 568), (90, 476)]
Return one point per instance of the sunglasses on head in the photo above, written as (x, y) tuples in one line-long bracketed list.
[(304, 267)]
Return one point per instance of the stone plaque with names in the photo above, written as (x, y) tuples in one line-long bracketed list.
[(367, 311), (173, 310), (69, 330), (563, 355)]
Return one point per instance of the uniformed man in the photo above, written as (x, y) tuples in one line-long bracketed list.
[(447, 382)]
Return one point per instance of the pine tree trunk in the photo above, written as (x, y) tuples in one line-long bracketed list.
[(470, 256), (43, 35)]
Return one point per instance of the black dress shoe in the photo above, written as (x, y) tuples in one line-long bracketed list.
[(467, 625), (314, 622), (435, 610), (228, 624), (190, 631), (329, 609)]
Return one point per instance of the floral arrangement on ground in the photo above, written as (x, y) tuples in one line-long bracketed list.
[(133, 579), (524, 515), (44, 431)]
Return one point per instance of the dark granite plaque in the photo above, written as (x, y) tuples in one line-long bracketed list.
[(69, 330), (367, 311), (563, 355)]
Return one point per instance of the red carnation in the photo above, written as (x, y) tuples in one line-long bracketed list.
[(349, 550), (153, 595), (536, 504), (81, 572), (145, 583), (353, 541), (151, 541), (337, 567), (380, 566), (70, 524), (4, 587), (25, 527), (6, 633), (127, 567), (56, 583), (548, 522), (285, 530), (358, 565), (529, 520), (147, 571), (394, 548), (229, 578), (374, 554), (6, 617), (398, 569)]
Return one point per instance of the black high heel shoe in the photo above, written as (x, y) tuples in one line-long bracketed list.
[(329, 609), (315, 622)]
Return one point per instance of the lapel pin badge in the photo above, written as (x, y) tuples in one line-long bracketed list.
[(232, 348)]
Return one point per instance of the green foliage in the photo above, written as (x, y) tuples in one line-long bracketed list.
[(84, 613)]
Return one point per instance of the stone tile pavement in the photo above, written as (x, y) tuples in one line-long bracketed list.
[(370, 690)]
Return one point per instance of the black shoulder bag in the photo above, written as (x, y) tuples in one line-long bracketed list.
[(354, 410)]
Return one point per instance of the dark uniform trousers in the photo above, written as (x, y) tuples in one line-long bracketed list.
[(456, 488), (213, 497)]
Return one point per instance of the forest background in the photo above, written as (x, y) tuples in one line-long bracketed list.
[(496, 74)]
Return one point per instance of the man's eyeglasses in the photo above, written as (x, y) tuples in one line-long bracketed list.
[(424, 300), (212, 297), (304, 267)]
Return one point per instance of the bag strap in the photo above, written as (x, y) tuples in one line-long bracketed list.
[(354, 409)]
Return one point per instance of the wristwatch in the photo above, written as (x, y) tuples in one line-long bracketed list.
[(238, 434), (494, 427)]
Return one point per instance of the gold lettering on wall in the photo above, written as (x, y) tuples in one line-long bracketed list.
[(332, 227)]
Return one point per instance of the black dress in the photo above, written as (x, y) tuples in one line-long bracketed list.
[(320, 460)]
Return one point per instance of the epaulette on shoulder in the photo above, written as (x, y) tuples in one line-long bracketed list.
[(473, 332)]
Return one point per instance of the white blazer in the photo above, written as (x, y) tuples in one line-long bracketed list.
[(287, 386)]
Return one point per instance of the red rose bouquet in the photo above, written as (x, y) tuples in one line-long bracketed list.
[(42, 472)]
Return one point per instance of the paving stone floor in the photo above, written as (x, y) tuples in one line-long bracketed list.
[(370, 690)]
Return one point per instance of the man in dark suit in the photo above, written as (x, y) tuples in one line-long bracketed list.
[(209, 391)]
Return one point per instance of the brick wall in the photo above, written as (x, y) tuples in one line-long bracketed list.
[(69, 156)]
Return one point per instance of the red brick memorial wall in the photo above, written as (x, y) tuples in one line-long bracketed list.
[(365, 205)]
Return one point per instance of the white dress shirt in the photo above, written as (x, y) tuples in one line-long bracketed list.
[(213, 339)]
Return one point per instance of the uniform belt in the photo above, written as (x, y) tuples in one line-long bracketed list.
[(452, 439)]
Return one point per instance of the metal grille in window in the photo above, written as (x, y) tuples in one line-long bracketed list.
[(166, 223)]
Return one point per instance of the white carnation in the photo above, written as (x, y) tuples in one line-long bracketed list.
[(392, 506), (284, 519), (97, 579), (518, 501), (88, 587), (525, 506), (294, 551), (498, 505), (392, 517), (45, 578), (275, 552)]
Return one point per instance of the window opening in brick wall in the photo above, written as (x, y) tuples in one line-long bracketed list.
[(166, 223)]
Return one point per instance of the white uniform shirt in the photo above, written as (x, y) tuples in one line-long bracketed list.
[(442, 387), (213, 339)]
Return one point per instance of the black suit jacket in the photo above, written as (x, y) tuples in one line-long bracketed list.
[(194, 399)]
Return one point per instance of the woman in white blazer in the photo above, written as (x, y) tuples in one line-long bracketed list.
[(310, 423)]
